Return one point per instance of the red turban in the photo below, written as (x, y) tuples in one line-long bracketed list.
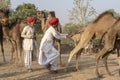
[(53, 21), (31, 19)]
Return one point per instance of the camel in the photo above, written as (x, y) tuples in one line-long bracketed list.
[(1, 31), (112, 42), (1, 42), (96, 29), (75, 37), (12, 32), (45, 25)]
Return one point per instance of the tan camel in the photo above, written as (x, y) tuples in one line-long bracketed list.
[(112, 42), (75, 37), (95, 29), (45, 25), (12, 32)]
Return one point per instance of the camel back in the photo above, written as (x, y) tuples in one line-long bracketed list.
[(116, 28), (102, 24)]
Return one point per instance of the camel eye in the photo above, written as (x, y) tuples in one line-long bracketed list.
[(3, 21)]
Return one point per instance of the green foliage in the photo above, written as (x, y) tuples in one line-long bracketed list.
[(4, 4), (22, 12), (116, 15), (68, 41), (70, 27)]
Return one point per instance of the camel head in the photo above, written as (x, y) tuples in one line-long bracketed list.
[(4, 14), (41, 14)]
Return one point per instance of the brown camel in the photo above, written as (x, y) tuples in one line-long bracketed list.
[(45, 25), (12, 32), (1, 42), (5, 21), (112, 42), (95, 29)]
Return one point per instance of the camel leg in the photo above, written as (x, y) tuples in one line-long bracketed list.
[(84, 40), (70, 57), (118, 54), (105, 63), (119, 65), (77, 59), (73, 52), (1, 42), (12, 50), (101, 53), (15, 54), (97, 62), (59, 49), (109, 46), (19, 49), (118, 57)]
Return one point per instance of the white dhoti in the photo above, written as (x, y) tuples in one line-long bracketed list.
[(28, 58), (48, 54), (49, 57)]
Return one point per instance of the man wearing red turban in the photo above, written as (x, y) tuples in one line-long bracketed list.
[(53, 21), (29, 41), (31, 19), (48, 54)]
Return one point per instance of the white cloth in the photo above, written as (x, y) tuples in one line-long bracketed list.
[(27, 33), (28, 58), (48, 54), (28, 45)]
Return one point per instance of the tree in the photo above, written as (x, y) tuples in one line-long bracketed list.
[(23, 11), (116, 15), (82, 12), (70, 27), (4, 3)]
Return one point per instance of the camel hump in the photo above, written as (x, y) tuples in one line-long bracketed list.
[(103, 14)]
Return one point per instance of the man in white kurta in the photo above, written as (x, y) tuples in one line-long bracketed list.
[(48, 54), (28, 42)]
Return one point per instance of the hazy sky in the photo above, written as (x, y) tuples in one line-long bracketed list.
[(62, 7)]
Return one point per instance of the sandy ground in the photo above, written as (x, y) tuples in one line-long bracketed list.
[(8, 71)]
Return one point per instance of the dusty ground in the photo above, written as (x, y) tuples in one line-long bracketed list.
[(8, 71)]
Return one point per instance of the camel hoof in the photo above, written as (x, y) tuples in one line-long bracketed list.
[(66, 70), (60, 65), (77, 70), (119, 72), (99, 76), (4, 60), (110, 74)]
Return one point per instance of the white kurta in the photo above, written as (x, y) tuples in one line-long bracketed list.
[(48, 54), (28, 45), (26, 34)]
